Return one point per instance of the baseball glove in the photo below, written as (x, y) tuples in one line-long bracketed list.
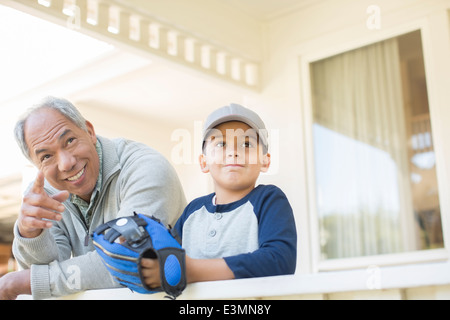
[(123, 242)]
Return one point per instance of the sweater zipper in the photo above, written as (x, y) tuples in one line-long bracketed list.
[(86, 239), (86, 229), (80, 215), (100, 197)]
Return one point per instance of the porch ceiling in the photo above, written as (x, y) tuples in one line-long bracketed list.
[(266, 10)]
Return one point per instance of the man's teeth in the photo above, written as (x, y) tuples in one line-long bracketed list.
[(77, 176)]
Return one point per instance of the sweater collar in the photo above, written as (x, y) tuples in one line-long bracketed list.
[(111, 164)]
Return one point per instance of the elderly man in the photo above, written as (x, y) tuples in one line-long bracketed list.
[(83, 181)]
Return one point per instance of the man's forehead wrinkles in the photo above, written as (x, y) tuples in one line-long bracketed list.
[(47, 137)]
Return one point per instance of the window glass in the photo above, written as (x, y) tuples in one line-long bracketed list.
[(375, 171)]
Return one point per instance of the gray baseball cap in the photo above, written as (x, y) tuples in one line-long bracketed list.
[(236, 112)]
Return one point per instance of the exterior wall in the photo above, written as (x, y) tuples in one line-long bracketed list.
[(5, 255), (332, 27)]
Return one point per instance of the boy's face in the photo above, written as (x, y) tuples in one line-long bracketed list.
[(233, 156)]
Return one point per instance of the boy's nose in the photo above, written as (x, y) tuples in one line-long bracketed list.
[(232, 153), (232, 150)]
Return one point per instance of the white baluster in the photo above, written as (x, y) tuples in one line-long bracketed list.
[(92, 12), (114, 20)]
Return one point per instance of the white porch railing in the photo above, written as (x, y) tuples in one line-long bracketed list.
[(419, 281), (120, 24)]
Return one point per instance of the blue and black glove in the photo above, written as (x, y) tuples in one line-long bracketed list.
[(143, 237)]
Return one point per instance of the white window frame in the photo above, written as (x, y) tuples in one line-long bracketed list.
[(327, 46)]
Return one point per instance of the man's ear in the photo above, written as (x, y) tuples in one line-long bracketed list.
[(91, 132), (265, 162), (203, 163)]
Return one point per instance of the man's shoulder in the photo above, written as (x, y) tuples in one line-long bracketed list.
[(130, 151), (125, 146)]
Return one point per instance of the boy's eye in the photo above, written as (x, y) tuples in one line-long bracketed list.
[(220, 144)]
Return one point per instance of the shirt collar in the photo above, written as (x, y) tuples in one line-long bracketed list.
[(76, 199)]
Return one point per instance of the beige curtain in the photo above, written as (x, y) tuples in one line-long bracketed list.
[(360, 151)]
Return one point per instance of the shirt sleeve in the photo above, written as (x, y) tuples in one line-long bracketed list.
[(52, 272), (277, 237), (39, 250)]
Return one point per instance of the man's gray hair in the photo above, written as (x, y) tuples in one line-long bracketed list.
[(63, 106)]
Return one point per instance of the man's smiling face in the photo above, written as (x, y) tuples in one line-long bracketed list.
[(64, 152)]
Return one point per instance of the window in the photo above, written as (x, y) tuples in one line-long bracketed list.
[(375, 171)]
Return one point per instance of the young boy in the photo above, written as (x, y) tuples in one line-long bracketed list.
[(240, 230)]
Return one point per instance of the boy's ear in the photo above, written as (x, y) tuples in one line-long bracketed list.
[(265, 161), (203, 163)]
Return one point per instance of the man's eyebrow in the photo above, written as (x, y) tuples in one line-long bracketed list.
[(38, 151), (64, 134)]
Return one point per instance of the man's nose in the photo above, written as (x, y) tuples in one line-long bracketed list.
[(66, 161)]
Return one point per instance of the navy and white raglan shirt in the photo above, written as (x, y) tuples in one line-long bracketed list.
[(256, 235)]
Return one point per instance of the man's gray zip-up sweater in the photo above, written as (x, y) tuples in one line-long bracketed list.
[(134, 178)]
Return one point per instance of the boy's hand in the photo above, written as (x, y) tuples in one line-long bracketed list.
[(196, 270), (150, 271)]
